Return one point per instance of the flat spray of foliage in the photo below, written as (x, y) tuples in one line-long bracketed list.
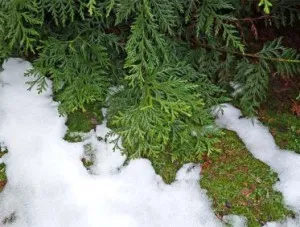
[(171, 61)]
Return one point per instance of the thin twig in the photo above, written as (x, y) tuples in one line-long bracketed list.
[(255, 55), (249, 19)]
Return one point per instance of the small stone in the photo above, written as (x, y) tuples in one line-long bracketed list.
[(228, 204)]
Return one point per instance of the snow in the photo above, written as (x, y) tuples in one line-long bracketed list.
[(261, 144), (235, 220), (286, 223), (237, 88), (49, 187)]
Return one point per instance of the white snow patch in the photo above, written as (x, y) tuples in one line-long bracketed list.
[(48, 185), (286, 223), (261, 144), (235, 220), (237, 88), (106, 157)]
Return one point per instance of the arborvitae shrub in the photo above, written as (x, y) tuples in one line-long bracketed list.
[(171, 61)]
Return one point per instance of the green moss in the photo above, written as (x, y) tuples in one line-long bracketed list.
[(164, 166), (285, 127), (276, 113), (72, 138), (2, 173), (240, 184), (79, 121), (236, 182), (87, 163)]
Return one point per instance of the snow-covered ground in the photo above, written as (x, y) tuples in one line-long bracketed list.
[(48, 185)]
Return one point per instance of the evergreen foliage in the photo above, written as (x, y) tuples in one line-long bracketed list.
[(172, 61)]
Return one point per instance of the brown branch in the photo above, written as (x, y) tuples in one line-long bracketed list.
[(249, 19), (249, 55)]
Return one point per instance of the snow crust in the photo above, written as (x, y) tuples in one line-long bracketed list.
[(261, 144), (49, 187)]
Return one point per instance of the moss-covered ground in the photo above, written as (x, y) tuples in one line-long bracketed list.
[(80, 121), (236, 182), (239, 184), (279, 113)]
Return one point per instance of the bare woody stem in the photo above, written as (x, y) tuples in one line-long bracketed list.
[(249, 55)]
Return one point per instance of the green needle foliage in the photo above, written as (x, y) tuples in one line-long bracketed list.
[(78, 68), (171, 61)]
